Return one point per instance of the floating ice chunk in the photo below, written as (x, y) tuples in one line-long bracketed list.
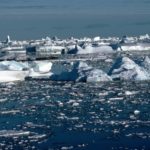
[(143, 37), (3, 67), (12, 65), (8, 76), (96, 39), (126, 69), (90, 74), (146, 64), (132, 117), (129, 93), (83, 66), (10, 112), (75, 104), (128, 40), (8, 39), (135, 47), (67, 148), (136, 112), (74, 49), (43, 66), (109, 60), (97, 75), (12, 133), (3, 100), (64, 71), (39, 75), (40, 136), (60, 104), (89, 49)]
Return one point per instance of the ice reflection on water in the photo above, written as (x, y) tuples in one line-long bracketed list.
[(59, 115)]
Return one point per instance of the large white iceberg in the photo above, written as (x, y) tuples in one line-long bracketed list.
[(77, 71), (126, 69)]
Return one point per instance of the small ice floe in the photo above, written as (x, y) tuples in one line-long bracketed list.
[(109, 60), (79, 125), (73, 118), (9, 112), (71, 101), (136, 112), (75, 104), (60, 104), (103, 93), (116, 98), (82, 145), (67, 148), (3, 100), (130, 93), (13, 133), (116, 131), (132, 117), (11, 76), (39, 75), (39, 136), (61, 116)]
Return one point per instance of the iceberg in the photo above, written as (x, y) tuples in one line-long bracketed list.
[(65, 71), (38, 75), (78, 71), (126, 69), (135, 47), (75, 67), (146, 64), (74, 49), (10, 76), (96, 39), (89, 49), (13, 65), (40, 69), (42, 66), (97, 75)]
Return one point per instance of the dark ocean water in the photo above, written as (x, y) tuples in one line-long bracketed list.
[(67, 115), (32, 19)]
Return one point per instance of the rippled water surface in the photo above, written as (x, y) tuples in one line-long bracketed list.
[(32, 19), (59, 115)]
